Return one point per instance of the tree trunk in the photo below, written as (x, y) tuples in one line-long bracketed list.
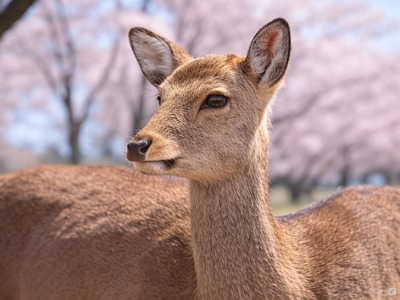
[(74, 126), (74, 133), (344, 176)]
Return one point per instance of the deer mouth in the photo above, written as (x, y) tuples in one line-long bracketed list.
[(169, 162), (166, 163), (155, 166)]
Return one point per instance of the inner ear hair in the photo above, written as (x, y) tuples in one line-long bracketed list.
[(269, 52), (157, 56), (152, 53)]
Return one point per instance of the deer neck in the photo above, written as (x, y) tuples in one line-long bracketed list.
[(240, 250)]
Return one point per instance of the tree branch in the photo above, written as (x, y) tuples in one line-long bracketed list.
[(102, 80), (69, 42), (12, 13)]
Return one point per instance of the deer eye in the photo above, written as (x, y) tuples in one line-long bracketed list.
[(215, 101)]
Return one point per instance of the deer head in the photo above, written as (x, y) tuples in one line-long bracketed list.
[(212, 111)]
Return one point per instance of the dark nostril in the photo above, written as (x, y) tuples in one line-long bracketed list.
[(138, 149), (144, 146)]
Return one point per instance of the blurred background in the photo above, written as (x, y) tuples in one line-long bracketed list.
[(71, 91)]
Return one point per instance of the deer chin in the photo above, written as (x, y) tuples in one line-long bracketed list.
[(155, 167)]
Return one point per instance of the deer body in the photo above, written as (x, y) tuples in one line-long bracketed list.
[(93, 233), (109, 233)]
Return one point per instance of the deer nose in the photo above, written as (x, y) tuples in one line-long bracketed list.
[(136, 150)]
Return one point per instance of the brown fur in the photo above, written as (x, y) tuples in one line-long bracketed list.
[(111, 233), (93, 233)]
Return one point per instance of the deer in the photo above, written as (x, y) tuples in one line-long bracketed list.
[(69, 232)]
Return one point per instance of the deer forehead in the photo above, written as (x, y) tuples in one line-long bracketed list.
[(204, 75)]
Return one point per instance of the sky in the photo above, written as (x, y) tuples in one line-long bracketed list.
[(391, 8)]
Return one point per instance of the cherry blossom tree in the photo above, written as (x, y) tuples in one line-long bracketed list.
[(324, 133), (61, 63)]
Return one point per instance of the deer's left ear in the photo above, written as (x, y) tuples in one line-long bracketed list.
[(157, 56), (269, 52)]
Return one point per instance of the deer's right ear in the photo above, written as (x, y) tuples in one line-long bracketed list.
[(269, 52), (157, 56)]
